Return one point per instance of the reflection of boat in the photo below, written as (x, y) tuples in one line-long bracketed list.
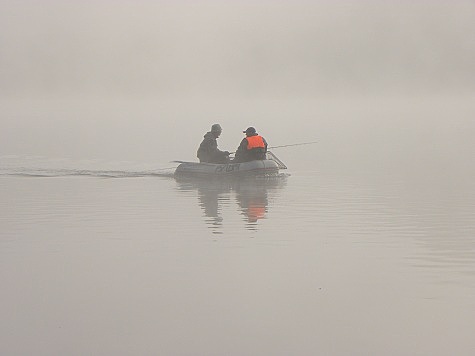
[(215, 195), (267, 167)]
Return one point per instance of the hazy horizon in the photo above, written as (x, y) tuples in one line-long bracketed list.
[(145, 80)]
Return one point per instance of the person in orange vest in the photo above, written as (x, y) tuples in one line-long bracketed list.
[(253, 147)]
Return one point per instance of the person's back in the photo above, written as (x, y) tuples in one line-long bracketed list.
[(253, 147), (208, 150)]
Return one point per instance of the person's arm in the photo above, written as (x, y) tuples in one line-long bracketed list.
[(243, 145), (240, 152)]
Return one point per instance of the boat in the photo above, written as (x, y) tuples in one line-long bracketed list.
[(268, 167)]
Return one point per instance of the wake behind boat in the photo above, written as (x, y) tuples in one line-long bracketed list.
[(268, 167)]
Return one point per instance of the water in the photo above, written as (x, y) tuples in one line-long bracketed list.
[(98, 261)]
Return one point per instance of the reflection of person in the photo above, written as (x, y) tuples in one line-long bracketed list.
[(208, 150), (253, 201), (256, 211), (250, 196), (209, 202), (252, 147)]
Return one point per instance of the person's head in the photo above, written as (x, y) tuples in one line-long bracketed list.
[(250, 131), (216, 130)]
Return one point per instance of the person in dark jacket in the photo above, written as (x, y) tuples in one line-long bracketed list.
[(208, 150), (253, 147)]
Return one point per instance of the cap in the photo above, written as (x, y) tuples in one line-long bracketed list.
[(216, 128), (250, 130)]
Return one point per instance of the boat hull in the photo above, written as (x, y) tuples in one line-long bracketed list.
[(253, 168)]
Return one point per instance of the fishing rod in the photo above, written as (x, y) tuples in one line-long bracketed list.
[(292, 144)]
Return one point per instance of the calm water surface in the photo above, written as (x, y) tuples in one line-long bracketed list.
[(318, 262)]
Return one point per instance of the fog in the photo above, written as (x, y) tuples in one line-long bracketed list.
[(143, 81), (367, 245), (139, 49)]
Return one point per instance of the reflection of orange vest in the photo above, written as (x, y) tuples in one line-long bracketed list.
[(256, 212), (255, 142)]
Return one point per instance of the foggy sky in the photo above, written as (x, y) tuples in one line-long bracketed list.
[(144, 80), (145, 48)]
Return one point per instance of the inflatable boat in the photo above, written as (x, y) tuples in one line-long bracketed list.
[(267, 167)]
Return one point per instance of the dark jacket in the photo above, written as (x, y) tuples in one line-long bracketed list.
[(243, 154), (208, 150)]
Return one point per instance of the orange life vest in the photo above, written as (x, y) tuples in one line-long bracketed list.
[(255, 142)]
